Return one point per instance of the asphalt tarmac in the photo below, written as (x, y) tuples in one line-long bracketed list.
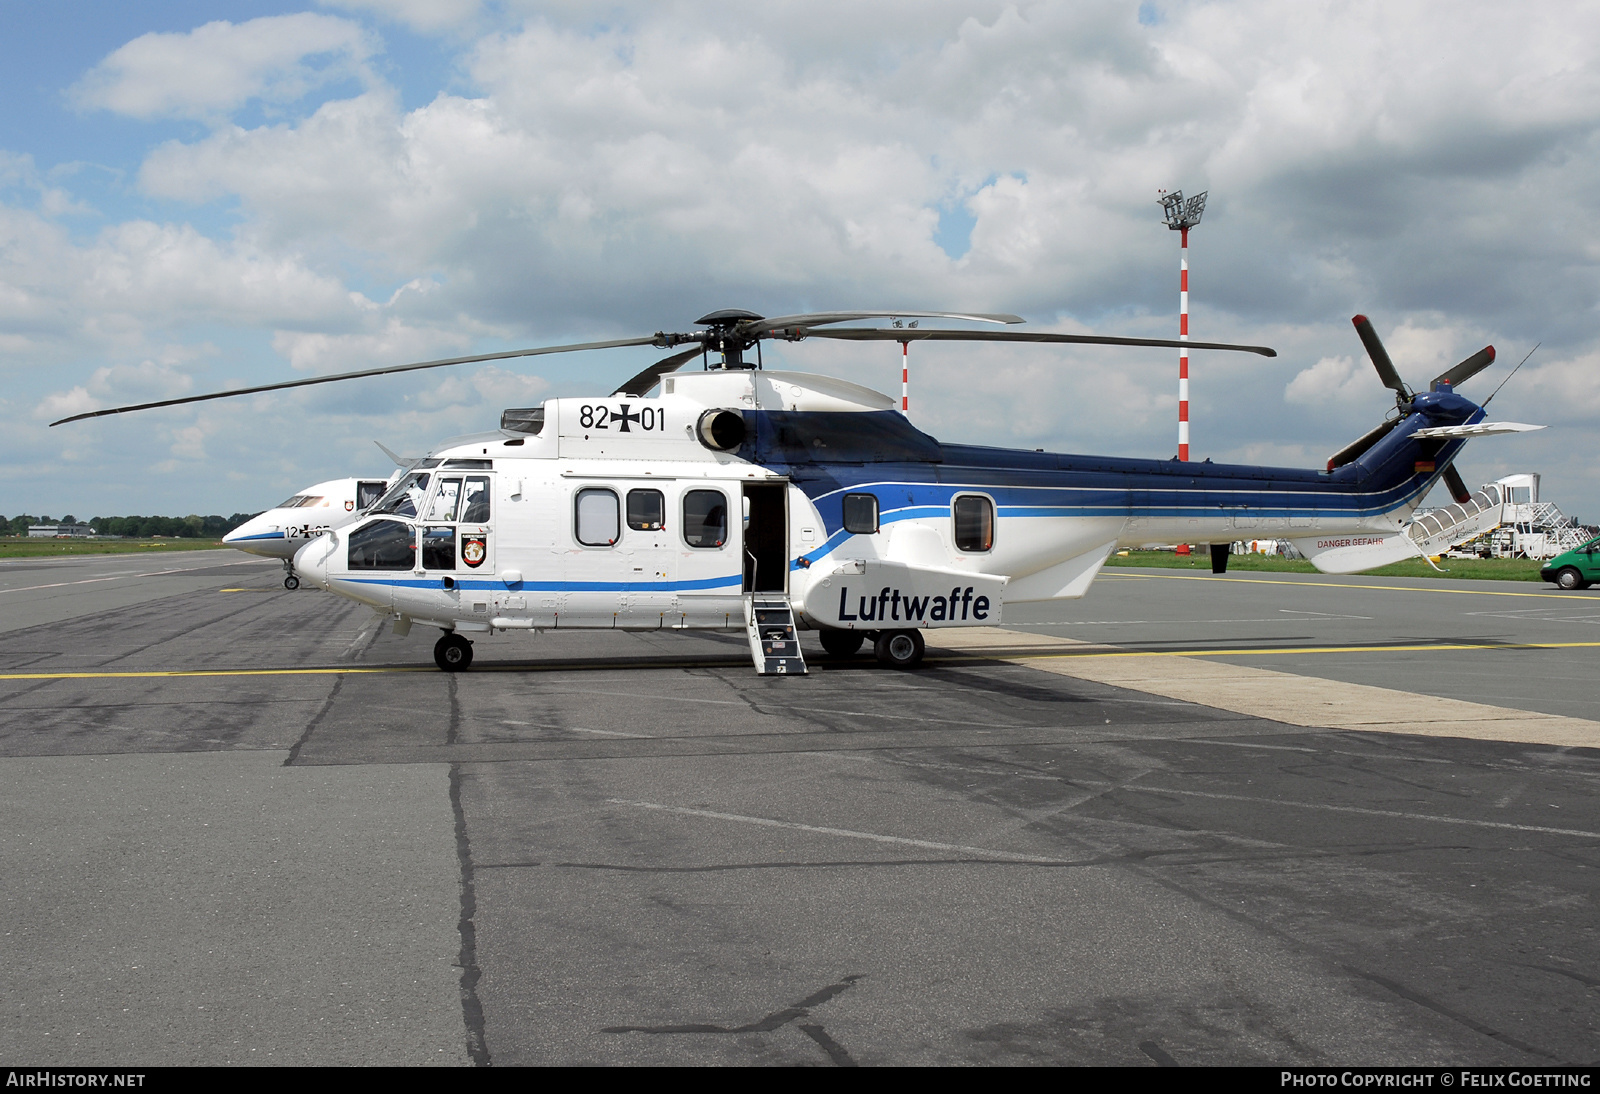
[(243, 825)]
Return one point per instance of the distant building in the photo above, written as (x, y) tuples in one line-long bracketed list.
[(57, 531)]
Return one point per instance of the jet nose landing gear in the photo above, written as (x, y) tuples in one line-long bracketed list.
[(291, 580), (452, 652)]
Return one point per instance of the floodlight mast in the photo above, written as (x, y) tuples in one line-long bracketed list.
[(1181, 216)]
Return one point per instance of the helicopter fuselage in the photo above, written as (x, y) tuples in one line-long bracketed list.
[(668, 512)]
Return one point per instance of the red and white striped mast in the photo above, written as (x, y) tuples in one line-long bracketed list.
[(905, 378), (905, 371), (1180, 218)]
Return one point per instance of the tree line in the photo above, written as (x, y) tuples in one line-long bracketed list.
[(192, 526)]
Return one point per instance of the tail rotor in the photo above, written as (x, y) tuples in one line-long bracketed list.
[(1404, 397)]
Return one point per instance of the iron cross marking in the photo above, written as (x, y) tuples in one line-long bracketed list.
[(624, 415)]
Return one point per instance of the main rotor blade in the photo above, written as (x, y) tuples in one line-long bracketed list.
[(820, 318), (1458, 489), (364, 372), (1380, 357), (1468, 368), (864, 334), (644, 381)]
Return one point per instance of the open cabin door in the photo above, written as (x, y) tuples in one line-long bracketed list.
[(766, 537)]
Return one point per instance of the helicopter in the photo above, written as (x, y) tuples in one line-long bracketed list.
[(743, 498)]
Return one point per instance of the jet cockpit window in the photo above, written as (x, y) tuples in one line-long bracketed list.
[(405, 496), (443, 506), (382, 545), (705, 518), (597, 513), (861, 513), (974, 517), (308, 500), (290, 503), (647, 510), (475, 500)]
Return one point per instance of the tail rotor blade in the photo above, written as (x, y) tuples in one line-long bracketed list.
[(1380, 357), (1354, 450), (1458, 488), (644, 381), (1466, 369)]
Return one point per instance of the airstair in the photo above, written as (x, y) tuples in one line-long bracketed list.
[(1435, 531), (774, 640)]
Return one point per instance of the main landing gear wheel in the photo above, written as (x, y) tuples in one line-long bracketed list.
[(899, 649), (1569, 578), (291, 583), (842, 643), (452, 652)]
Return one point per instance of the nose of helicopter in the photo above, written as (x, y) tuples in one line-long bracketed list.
[(311, 561)]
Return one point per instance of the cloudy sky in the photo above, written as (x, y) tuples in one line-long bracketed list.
[(199, 195)]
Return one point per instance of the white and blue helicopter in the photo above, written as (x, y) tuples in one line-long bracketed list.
[(771, 502)]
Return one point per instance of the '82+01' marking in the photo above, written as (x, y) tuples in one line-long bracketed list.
[(600, 416)]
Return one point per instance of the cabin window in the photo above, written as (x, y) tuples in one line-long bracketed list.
[(861, 514), (383, 545), (647, 510), (439, 548), (705, 518), (444, 502), (974, 523), (475, 500), (598, 523)]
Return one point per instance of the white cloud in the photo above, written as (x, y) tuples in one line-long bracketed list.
[(214, 69), (425, 16), (1332, 380)]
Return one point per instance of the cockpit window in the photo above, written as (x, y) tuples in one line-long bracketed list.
[(290, 503), (443, 506), (475, 500), (406, 495), (383, 545)]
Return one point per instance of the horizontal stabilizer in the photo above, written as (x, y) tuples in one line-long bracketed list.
[(1352, 554), (1480, 429)]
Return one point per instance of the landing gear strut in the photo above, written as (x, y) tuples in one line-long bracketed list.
[(290, 581), (452, 652)]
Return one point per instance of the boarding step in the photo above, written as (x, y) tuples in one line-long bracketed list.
[(774, 641)]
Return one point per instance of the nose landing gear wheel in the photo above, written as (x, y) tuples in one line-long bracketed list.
[(842, 643), (899, 649), (291, 583), (452, 652)]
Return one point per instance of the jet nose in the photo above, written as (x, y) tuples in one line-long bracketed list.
[(311, 561)]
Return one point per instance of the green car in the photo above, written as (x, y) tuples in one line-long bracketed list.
[(1575, 569)]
